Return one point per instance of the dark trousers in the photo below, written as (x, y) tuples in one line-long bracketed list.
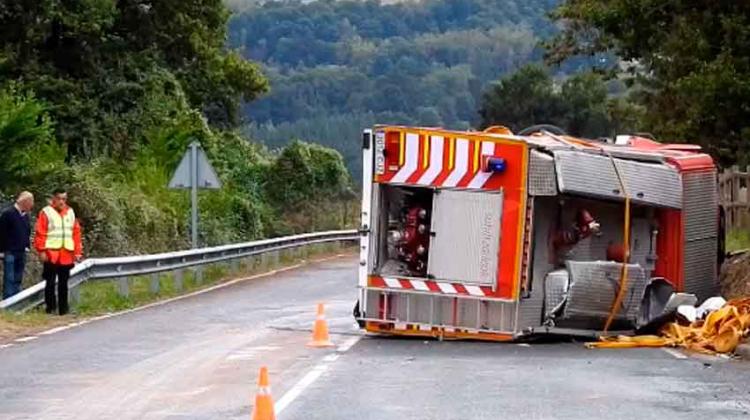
[(62, 273), (13, 265)]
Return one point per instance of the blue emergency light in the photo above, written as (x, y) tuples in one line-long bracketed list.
[(495, 164)]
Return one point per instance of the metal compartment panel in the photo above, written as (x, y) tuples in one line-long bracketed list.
[(593, 175), (542, 179), (701, 234), (594, 285), (466, 240)]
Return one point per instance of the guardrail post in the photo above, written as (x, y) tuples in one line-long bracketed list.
[(264, 257), (234, 266), (123, 286), (74, 295), (198, 275), (178, 280), (155, 285), (247, 264), (303, 252)]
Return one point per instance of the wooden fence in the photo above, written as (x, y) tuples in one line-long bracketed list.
[(733, 193)]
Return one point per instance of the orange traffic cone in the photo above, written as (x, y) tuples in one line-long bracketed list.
[(320, 330), (263, 408)]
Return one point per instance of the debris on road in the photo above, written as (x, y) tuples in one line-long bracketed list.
[(721, 331)]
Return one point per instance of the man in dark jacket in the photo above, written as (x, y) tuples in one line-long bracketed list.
[(15, 230)]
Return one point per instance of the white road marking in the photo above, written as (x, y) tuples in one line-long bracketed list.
[(58, 329), (300, 386), (331, 358), (674, 353), (25, 339), (723, 356), (311, 376), (250, 353), (241, 356), (5, 346), (265, 348), (194, 392), (343, 348), (176, 298)]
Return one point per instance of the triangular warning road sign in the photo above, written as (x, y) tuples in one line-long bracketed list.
[(206, 176)]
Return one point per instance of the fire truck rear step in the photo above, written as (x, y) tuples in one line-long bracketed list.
[(433, 310)]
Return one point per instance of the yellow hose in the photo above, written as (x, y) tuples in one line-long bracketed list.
[(626, 244)]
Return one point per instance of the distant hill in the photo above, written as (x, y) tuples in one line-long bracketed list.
[(337, 66)]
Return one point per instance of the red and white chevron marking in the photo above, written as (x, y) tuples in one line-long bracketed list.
[(430, 286), (443, 162)]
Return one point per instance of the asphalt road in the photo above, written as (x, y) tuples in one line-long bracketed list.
[(198, 358)]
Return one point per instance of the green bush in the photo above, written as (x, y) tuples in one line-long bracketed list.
[(28, 149)]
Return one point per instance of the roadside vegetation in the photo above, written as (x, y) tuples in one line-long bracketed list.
[(738, 239), (103, 98)]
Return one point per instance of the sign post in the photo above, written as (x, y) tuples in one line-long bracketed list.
[(194, 171)]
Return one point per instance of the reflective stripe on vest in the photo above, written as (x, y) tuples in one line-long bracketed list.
[(59, 229)]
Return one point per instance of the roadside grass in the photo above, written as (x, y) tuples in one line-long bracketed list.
[(103, 297), (738, 239), (13, 324)]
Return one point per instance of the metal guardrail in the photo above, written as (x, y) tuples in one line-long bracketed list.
[(124, 267)]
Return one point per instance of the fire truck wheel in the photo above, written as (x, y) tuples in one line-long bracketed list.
[(539, 127), (357, 314)]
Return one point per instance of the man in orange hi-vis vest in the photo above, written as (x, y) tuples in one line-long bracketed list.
[(58, 242)]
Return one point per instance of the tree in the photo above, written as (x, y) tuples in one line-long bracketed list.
[(584, 98), (580, 105), (416, 63), (303, 180), (524, 98), (690, 59), (28, 149), (94, 60)]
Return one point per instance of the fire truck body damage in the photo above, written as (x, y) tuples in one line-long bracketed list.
[(494, 236)]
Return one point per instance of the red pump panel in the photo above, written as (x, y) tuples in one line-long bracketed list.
[(669, 248)]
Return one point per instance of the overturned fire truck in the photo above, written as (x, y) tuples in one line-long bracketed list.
[(495, 236)]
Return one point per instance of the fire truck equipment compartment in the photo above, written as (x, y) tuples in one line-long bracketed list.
[(466, 236)]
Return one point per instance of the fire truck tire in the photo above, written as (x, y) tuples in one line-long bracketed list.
[(539, 127), (356, 313)]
